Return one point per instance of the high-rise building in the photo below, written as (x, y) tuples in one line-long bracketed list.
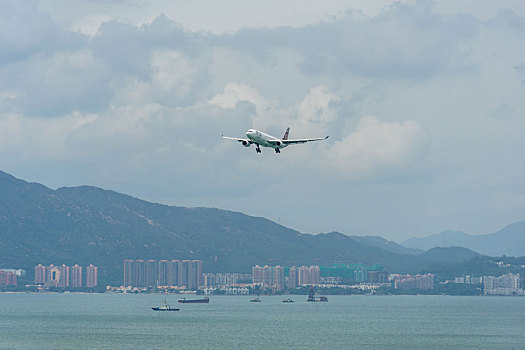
[(8, 279), (139, 274), (164, 273), (40, 274), (52, 275), (63, 281), (195, 275), (257, 274), (91, 276), (128, 273), (175, 271), (278, 277), (153, 273), (414, 281), (292, 277), (76, 276), (508, 284), (184, 277)]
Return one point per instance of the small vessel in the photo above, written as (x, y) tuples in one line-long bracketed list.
[(204, 300), (288, 300), (165, 307), (312, 297), (256, 300)]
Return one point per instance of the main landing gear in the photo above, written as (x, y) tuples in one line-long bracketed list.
[(277, 150), (258, 149)]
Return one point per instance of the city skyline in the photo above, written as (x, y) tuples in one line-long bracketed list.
[(65, 276)]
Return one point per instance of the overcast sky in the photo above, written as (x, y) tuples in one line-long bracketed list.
[(424, 103)]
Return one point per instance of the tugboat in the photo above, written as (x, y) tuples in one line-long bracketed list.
[(165, 307), (288, 300), (255, 300), (312, 297), (204, 300)]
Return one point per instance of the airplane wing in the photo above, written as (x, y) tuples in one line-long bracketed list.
[(243, 141), (295, 141)]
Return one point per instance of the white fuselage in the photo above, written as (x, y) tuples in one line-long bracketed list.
[(262, 139)]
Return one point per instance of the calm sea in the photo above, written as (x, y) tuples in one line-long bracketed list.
[(116, 321)]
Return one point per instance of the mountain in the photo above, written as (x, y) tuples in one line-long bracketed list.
[(509, 241), (86, 225), (380, 242)]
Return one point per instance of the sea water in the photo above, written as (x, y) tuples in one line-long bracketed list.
[(123, 321)]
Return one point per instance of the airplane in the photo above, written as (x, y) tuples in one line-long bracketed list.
[(259, 138)]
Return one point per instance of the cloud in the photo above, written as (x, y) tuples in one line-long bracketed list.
[(127, 98), (378, 148)]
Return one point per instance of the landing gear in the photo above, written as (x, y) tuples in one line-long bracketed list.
[(277, 150), (257, 149)]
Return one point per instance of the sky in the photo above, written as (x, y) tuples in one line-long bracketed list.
[(424, 103)]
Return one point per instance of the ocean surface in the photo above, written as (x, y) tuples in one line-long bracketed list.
[(120, 321)]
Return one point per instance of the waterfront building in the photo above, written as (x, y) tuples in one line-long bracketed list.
[(278, 277), (508, 284), (175, 273), (151, 273), (224, 279), (353, 272), (291, 280), (128, 268), (257, 274), (195, 275), (64, 276), (468, 280), (374, 276), (76, 276), (63, 280), (17, 272), (91, 276), (414, 281), (8, 279), (40, 274), (164, 273)]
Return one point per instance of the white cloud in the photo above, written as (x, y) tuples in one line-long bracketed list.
[(116, 95), (236, 92), (378, 148), (315, 108)]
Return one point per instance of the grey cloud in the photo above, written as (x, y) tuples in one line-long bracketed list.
[(26, 32), (405, 41)]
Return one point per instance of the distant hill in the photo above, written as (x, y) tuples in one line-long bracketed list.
[(380, 242), (509, 241), (90, 225)]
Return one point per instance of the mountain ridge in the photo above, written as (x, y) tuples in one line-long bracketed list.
[(509, 241), (87, 224)]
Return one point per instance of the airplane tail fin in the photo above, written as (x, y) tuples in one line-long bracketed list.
[(285, 137)]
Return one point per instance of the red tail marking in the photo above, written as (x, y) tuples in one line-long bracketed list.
[(285, 137)]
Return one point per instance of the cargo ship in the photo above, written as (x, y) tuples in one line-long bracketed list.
[(312, 297), (204, 300)]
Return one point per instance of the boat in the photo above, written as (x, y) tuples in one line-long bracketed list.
[(255, 300), (313, 298), (288, 300), (204, 300), (165, 307)]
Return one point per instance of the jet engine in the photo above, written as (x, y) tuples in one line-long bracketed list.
[(278, 143), (245, 143)]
